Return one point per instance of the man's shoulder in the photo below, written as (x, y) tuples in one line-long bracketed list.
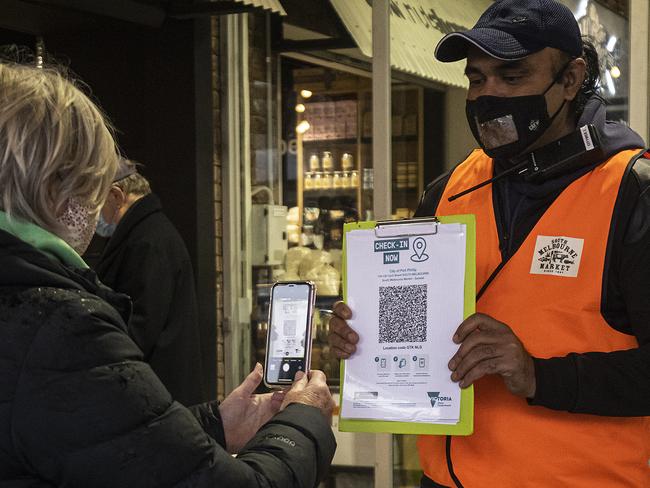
[(632, 210), (432, 195), (434, 190), (156, 231), (153, 240), (639, 170)]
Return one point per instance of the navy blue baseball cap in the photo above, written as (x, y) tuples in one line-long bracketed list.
[(125, 168), (514, 29)]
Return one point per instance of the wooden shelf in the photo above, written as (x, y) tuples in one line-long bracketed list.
[(351, 140), (405, 148), (325, 191), (368, 140), (364, 140)]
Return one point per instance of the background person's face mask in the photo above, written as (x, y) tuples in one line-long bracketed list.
[(505, 126), (104, 229)]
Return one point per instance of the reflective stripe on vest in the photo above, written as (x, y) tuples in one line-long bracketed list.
[(549, 293)]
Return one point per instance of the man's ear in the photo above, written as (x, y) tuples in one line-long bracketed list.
[(116, 197), (574, 76)]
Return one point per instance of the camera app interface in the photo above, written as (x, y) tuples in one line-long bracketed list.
[(289, 321)]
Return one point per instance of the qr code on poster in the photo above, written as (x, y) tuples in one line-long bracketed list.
[(403, 313)]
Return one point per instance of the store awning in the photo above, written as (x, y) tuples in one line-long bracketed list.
[(416, 27), (272, 5)]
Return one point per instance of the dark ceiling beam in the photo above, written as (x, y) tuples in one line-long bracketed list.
[(319, 17), (127, 10), (34, 19), (287, 45)]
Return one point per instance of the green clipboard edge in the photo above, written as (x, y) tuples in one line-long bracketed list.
[(465, 426)]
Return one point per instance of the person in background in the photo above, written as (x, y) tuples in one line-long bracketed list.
[(80, 406), (559, 351), (146, 259)]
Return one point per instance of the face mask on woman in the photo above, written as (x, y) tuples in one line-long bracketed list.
[(80, 225)]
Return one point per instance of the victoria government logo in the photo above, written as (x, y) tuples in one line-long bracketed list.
[(555, 255)]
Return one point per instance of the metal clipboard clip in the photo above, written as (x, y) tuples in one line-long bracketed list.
[(383, 227)]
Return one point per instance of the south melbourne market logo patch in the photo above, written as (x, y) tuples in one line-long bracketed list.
[(556, 255)]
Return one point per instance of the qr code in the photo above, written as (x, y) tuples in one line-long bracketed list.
[(403, 313), (289, 328)]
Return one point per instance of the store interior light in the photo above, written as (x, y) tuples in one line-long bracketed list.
[(302, 127), (615, 72), (300, 108), (305, 93)]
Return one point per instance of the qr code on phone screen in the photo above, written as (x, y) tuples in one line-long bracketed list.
[(403, 313)]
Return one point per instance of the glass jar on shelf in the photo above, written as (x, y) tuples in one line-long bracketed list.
[(347, 162), (345, 179), (354, 179), (337, 179), (327, 162), (318, 180), (309, 180), (326, 180), (314, 162)]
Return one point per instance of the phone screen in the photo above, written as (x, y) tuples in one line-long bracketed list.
[(288, 341)]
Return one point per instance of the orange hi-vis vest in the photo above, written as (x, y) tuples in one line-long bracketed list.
[(549, 293)]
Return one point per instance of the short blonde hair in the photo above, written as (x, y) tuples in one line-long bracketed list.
[(55, 145)]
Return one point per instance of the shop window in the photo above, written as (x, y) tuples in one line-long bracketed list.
[(606, 24), (328, 179)]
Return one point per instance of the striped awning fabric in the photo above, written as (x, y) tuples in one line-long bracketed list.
[(416, 26)]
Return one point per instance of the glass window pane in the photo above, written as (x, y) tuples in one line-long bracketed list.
[(324, 162), (607, 25)]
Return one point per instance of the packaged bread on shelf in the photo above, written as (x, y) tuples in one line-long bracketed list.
[(326, 278), (293, 258), (312, 259)]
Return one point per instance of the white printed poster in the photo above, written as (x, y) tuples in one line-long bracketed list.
[(405, 286)]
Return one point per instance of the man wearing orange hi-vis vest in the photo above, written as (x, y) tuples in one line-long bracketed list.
[(559, 351)]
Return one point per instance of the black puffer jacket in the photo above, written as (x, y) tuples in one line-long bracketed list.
[(79, 407)]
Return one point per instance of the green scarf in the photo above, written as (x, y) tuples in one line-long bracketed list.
[(46, 242)]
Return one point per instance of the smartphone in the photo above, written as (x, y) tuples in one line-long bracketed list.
[(288, 341)]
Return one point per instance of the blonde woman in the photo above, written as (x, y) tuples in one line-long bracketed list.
[(78, 406)]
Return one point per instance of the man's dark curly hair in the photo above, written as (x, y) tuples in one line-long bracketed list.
[(591, 83)]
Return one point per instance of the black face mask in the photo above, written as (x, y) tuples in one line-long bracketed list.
[(505, 126)]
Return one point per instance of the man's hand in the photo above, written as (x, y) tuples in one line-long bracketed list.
[(311, 391), (490, 347), (341, 338), (243, 412)]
